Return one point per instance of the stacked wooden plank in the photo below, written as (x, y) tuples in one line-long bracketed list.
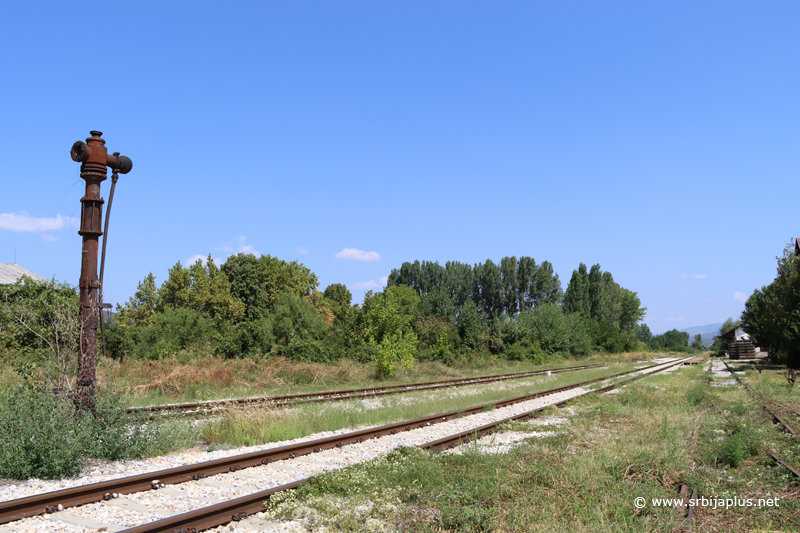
[(742, 349)]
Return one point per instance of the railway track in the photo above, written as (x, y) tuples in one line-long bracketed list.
[(239, 508), (206, 407), (789, 429)]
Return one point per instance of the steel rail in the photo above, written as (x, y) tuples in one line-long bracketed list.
[(350, 394), (786, 426), (457, 439), (771, 413), (239, 508), (33, 505)]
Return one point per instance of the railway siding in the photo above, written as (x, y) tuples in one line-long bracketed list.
[(136, 508)]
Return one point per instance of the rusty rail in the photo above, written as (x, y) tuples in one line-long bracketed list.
[(349, 394), (239, 508), (42, 503)]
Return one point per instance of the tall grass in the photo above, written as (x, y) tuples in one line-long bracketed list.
[(250, 426), (584, 477)]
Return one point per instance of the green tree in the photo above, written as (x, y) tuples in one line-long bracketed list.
[(697, 343), (39, 330), (643, 333), (141, 307), (772, 314), (577, 299), (388, 317), (339, 298), (258, 282), (202, 288)]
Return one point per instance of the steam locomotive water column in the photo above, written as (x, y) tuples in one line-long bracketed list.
[(95, 162)]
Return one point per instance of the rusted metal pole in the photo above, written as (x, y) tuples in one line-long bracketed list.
[(95, 161)]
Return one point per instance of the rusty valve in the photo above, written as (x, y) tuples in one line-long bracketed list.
[(80, 153)]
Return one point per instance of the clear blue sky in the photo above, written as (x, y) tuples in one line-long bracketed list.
[(658, 139)]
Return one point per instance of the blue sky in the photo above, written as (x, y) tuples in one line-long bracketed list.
[(658, 139)]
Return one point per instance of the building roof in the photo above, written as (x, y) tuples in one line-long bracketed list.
[(10, 273)]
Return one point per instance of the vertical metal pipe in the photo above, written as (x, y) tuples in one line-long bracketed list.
[(95, 161), (94, 172)]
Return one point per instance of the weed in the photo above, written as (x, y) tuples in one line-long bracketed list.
[(699, 394), (44, 435)]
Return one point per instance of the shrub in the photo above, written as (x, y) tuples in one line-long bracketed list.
[(44, 435)]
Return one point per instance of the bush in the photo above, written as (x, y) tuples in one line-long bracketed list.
[(44, 435), (736, 448), (300, 330), (174, 330), (554, 332)]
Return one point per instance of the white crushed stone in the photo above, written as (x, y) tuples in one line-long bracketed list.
[(174, 499)]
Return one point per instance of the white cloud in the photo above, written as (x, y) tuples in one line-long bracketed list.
[(246, 248), (224, 248), (358, 255), (46, 237), (363, 285), (740, 297), (23, 222), (384, 280), (695, 276), (673, 319), (302, 250)]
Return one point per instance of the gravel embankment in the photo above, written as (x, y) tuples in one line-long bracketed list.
[(134, 509)]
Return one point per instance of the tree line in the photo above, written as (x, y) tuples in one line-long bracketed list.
[(772, 313), (258, 306)]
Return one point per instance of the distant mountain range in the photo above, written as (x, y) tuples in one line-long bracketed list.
[(708, 332)]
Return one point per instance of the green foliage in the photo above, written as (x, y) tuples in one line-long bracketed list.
[(243, 338), (39, 328), (737, 446), (594, 295), (44, 435), (388, 317), (299, 329), (512, 286), (607, 338), (772, 314), (442, 349), (470, 325), (41, 435), (699, 394), (173, 330), (339, 298), (141, 307), (672, 341), (643, 333), (433, 332), (259, 282), (203, 288), (547, 327), (697, 343)]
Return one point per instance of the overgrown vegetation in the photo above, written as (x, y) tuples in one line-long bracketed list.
[(583, 477), (772, 314), (265, 306), (46, 435), (256, 425)]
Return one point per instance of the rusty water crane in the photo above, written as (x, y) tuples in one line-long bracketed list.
[(95, 162)]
